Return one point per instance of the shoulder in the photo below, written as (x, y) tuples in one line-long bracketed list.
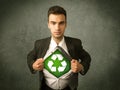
[(42, 41), (72, 40)]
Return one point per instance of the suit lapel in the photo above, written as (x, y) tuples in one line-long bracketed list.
[(45, 46), (69, 46)]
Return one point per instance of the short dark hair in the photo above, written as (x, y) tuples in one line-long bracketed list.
[(57, 10)]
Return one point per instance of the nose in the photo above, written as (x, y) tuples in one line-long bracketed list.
[(57, 26)]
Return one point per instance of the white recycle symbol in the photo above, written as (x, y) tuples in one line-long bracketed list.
[(60, 58)]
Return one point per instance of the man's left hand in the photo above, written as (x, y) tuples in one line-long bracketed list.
[(76, 66)]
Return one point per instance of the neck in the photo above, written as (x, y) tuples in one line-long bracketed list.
[(57, 40)]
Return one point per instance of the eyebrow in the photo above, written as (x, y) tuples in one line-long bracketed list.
[(57, 22)]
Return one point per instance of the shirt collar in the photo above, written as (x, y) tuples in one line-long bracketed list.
[(54, 44)]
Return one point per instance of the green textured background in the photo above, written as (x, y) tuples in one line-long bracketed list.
[(95, 22)]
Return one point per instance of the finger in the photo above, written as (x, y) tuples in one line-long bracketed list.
[(40, 66), (37, 65), (73, 61), (74, 70), (39, 61)]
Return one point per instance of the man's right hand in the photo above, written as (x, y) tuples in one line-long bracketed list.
[(38, 65)]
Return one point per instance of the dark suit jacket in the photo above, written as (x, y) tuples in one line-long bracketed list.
[(75, 50)]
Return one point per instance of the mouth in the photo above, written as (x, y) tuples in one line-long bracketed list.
[(58, 33)]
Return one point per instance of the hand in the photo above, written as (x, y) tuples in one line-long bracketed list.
[(38, 65), (76, 66)]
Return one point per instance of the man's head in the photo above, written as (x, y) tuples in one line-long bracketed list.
[(57, 10), (57, 21)]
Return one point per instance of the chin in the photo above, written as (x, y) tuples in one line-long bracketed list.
[(58, 36)]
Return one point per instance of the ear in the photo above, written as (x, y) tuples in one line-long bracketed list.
[(48, 25), (65, 24)]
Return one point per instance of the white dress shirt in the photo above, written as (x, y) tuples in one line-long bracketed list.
[(52, 81)]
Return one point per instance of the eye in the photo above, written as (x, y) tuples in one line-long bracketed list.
[(62, 23), (53, 23)]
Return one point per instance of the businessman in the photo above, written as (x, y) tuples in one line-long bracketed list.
[(80, 63)]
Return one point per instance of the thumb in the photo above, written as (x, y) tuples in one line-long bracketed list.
[(73, 61), (40, 59)]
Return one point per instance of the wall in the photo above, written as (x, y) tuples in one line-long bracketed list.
[(95, 22)]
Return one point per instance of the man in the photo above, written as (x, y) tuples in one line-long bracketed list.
[(57, 20)]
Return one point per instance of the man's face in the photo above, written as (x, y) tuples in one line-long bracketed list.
[(57, 25)]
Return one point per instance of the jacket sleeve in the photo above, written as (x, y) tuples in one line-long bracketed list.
[(84, 57), (31, 58)]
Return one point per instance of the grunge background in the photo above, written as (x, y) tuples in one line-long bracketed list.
[(95, 22)]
